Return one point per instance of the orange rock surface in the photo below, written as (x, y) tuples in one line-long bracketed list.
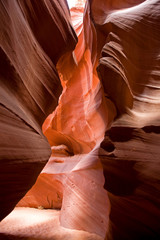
[(74, 131), (104, 134), (29, 89)]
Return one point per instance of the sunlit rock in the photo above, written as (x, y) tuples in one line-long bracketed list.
[(79, 123), (130, 73), (103, 172), (29, 89)]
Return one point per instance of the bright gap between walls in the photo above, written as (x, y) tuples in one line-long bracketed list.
[(71, 3), (75, 3)]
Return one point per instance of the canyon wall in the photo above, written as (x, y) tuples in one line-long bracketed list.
[(129, 69), (75, 130), (103, 172), (29, 89)]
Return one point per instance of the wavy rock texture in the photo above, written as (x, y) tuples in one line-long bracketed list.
[(74, 134), (29, 89), (123, 39), (100, 9), (130, 73), (39, 224)]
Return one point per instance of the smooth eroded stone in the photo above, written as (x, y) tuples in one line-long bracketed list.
[(130, 73), (31, 34)]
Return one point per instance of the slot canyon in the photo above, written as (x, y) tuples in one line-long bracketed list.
[(80, 120)]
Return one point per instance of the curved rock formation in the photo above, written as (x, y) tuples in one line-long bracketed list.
[(40, 225), (130, 73), (122, 38), (74, 134), (100, 9), (29, 89)]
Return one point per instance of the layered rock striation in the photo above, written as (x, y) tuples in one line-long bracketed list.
[(29, 89), (103, 172), (130, 73), (74, 135)]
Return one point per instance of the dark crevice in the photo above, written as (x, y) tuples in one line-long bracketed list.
[(151, 129), (120, 134)]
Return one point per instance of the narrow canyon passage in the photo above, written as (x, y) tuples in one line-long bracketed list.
[(83, 80)]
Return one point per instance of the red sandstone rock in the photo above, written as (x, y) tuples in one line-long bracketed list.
[(29, 89), (100, 9), (128, 34), (85, 203), (40, 225), (130, 73)]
